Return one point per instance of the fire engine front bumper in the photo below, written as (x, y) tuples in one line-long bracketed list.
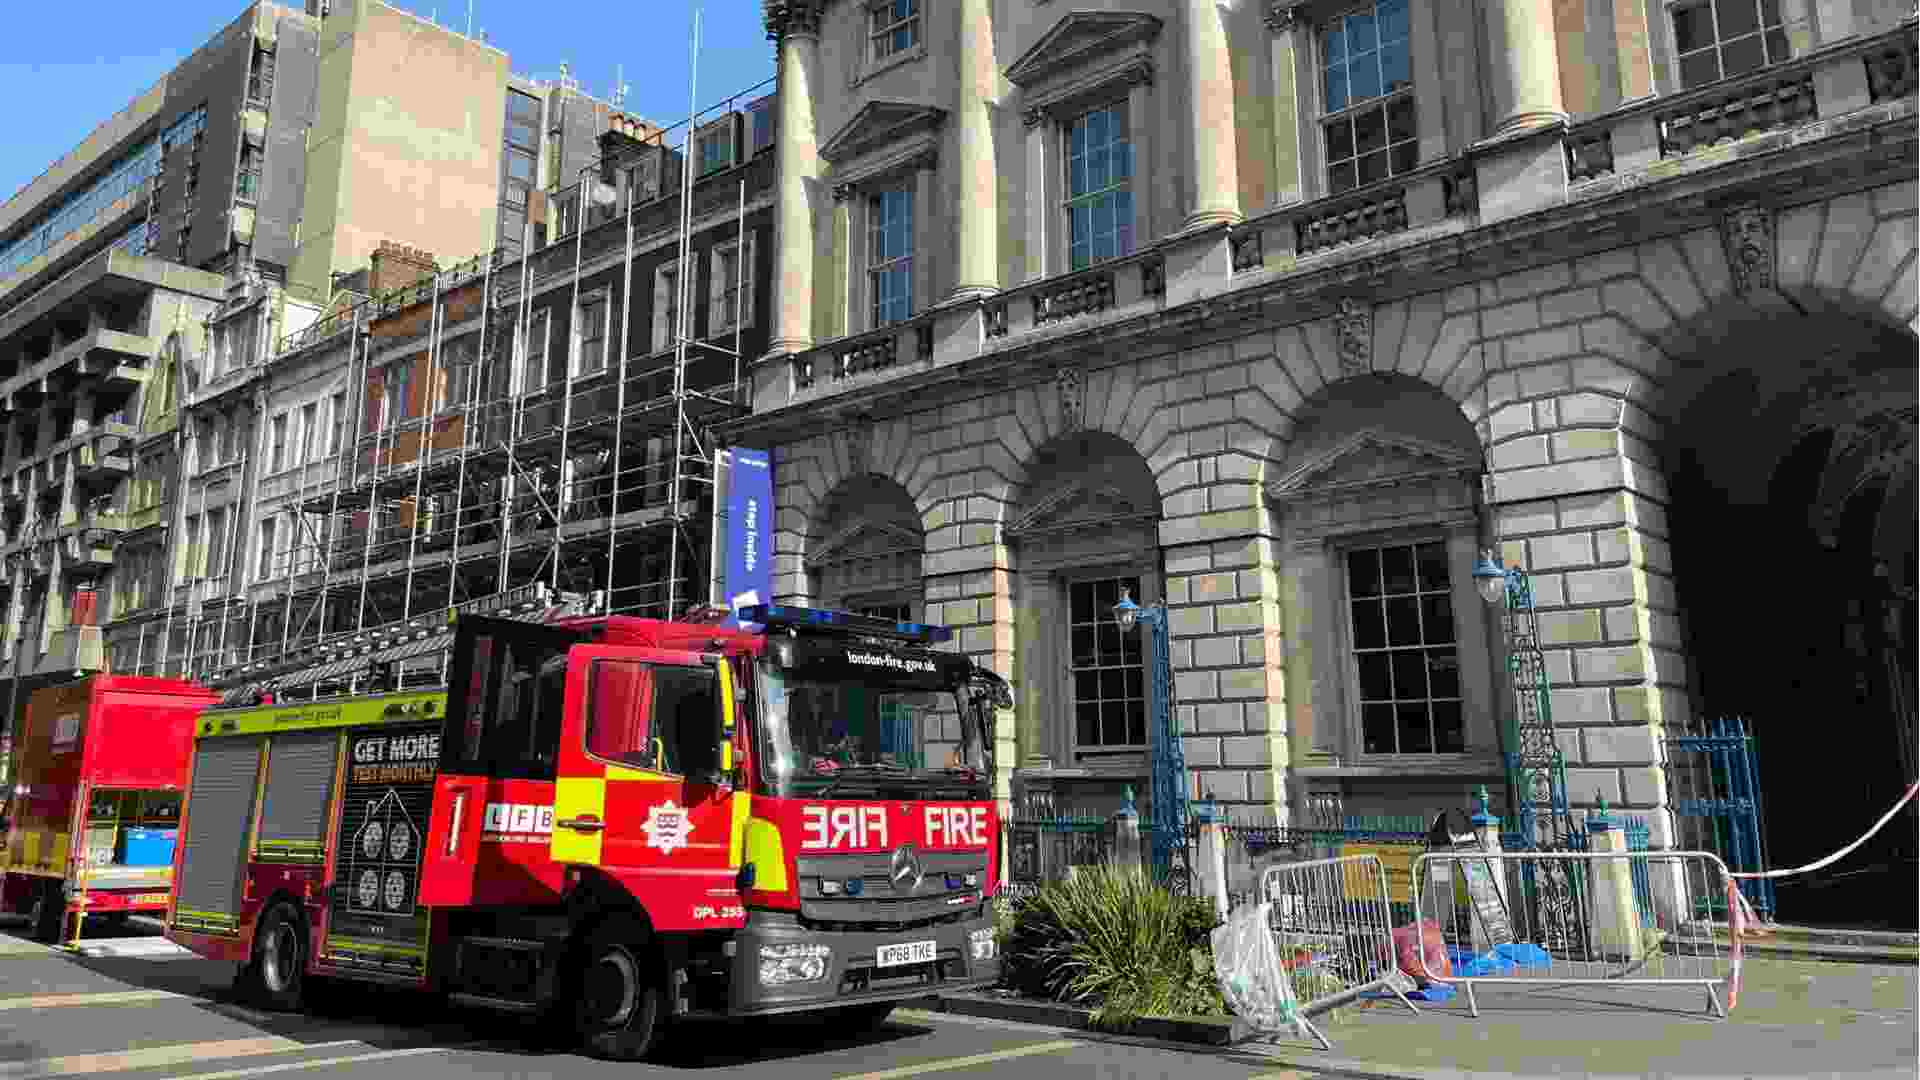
[(781, 966)]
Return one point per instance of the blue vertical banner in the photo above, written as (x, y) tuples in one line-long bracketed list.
[(749, 546)]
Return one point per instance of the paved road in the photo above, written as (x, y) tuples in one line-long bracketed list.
[(144, 1009)]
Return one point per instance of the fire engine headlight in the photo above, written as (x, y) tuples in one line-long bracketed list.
[(982, 945), (781, 965)]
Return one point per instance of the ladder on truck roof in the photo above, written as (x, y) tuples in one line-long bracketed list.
[(343, 663)]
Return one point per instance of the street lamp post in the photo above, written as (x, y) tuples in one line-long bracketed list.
[(1536, 771), (1169, 759)]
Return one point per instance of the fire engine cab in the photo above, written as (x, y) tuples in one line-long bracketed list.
[(613, 821)]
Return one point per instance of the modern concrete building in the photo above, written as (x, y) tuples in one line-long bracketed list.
[(147, 275), (1279, 313)]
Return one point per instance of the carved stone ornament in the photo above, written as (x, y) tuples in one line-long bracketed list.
[(1033, 117), (841, 192), (857, 436), (1283, 15), (792, 17), (1353, 330), (1071, 383), (1748, 231)]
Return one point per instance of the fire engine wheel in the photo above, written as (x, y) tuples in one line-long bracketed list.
[(622, 1010), (276, 978), (47, 916)]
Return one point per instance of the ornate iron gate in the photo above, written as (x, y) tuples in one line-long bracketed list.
[(1713, 785)]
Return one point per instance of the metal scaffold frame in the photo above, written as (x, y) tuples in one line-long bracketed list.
[(524, 468)]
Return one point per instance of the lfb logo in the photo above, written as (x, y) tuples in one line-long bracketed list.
[(517, 823)]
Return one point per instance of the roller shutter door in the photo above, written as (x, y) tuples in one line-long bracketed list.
[(219, 813), (300, 778)]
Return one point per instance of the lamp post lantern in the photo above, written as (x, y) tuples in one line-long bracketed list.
[(1169, 759)]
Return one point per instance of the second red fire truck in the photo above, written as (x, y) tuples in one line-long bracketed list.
[(614, 822)]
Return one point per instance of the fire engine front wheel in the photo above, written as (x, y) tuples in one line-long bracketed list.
[(276, 976), (622, 1010)]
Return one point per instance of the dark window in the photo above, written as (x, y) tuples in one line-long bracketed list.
[(1099, 186), (1405, 656), (593, 335), (246, 187), (523, 120), (260, 78), (1366, 69), (1718, 39), (1107, 669), (661, 718), (893, 26)]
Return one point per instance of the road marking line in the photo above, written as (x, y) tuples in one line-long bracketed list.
[(321, 1063), (1051, 1047), (108, 997), (157, 1056)]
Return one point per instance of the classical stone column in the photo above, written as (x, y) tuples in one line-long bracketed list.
[(1527, 91), (795, 26), (1289, 64), (1216, 174), (977, 209)]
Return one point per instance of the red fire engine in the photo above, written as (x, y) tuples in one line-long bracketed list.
[(614, 821), (98, 771)]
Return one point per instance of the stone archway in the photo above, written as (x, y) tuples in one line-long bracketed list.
[(1791, 463), (865, 549)]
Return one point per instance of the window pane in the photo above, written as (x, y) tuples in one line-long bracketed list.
[(1736, 17), (1777, 47), (1373, 167), (1409, 674), (1396, 66), (1363, 76), (1393, 20), (1080, 599), (1416, 737), (1743, 56), (1376, 728), (1436, 619), (1336, 89), (1109, 642), (1369, 625), (1443, 672), (1339, 140), (1699, 69), (1396, 569), (1400, 126), (1370, 130), (1432, 559), (1692, 28), (1449, 728), (1113, 726), (1770, 12), (1137, 723), (1086, 685), (1340, 178), (1362, 34), (1087, 724), (1123, 222), (520, 167), (1113, 684), (1403, 621), (1136, 683), (1376, 677), (1363, 573)]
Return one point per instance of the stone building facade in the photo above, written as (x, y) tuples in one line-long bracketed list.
[(1181, 297)]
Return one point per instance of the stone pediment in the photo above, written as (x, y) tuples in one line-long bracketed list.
[(880, 124), (865, 539), (1079, 506), (1080, 37), (1373, 459)]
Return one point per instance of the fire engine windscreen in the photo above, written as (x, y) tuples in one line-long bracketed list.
[(843, 709)]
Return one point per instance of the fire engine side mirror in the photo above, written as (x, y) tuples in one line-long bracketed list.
[(728, 712)]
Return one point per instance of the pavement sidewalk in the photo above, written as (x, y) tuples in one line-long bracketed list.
[(1794, 1018)]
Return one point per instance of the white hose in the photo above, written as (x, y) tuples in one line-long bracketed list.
[(1843, 852)]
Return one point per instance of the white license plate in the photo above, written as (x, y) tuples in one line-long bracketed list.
[(911, 952)]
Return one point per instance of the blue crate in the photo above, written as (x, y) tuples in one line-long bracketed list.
[(149, 847)]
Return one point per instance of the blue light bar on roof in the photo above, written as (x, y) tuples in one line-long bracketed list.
[(771, 615)]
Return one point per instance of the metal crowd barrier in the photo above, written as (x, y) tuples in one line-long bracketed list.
[(1562, 917), (1333, 929)]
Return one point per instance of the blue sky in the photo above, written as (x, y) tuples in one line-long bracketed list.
[(76, 80)]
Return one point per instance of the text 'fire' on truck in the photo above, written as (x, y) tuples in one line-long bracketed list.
[(99, 767), (611, 822)]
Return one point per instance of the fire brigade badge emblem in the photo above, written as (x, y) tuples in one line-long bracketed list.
[(667, 827)]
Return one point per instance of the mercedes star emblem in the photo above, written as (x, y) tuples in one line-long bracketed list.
[(904, 871)]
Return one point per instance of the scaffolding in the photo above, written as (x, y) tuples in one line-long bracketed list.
[(485, 460)]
